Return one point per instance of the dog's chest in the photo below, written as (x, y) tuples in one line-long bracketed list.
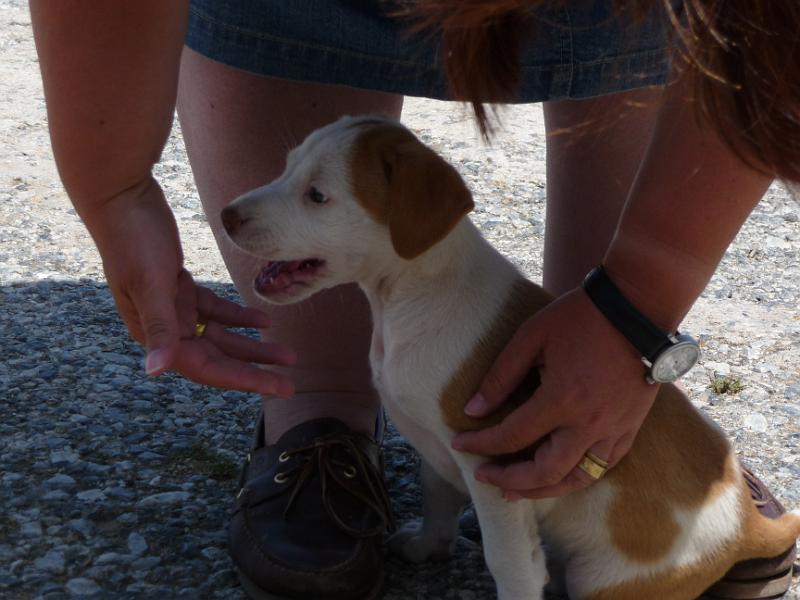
[(414, 410), (423, 340), (407, 384), (414, 356)]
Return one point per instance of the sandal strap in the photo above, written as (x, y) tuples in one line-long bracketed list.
[(759, 589)]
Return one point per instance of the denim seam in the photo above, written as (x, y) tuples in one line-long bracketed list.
[(301, 45), (571, 61)]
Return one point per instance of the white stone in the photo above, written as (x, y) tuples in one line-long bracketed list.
[(81, 586), (137, 544), (91, 495), (52, 562), (718, 368), (164, 498), (756, 422)]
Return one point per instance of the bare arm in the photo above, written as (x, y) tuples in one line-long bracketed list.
[(690, 197), (110, 72), (688, 202)]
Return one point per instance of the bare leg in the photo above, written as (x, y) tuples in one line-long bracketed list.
[(594, 149), (238, 127)]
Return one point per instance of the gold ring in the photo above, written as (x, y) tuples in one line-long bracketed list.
[(199, 329), (594, 466)]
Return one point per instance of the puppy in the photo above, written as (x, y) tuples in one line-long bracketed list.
[(362, 200)]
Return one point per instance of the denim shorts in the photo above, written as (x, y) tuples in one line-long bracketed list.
[(579, 49)]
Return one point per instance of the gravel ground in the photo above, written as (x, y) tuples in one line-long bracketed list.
[(115, 485)]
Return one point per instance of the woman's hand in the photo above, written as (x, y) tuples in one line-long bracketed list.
[(160, 303), (593, 397)]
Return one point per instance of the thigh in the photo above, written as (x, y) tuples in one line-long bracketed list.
[(594, 149), (237, 128)]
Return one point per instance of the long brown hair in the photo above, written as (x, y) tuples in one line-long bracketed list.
[(743, 57)]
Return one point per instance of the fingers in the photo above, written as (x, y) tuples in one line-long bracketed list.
[(554, 471), (229, 313), (571, 483), (159, 324), (195, 362), (519, 430), (508, 370), (246, 349), (553, 459)]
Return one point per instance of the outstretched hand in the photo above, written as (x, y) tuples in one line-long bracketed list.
[(161, 304), (592, 397)]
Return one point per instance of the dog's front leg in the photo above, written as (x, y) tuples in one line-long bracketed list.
[(435, 537), (511, 544)]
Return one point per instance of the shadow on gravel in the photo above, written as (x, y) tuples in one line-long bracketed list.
[(117, 485)]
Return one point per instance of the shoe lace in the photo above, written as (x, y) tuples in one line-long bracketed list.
[(320, 456)]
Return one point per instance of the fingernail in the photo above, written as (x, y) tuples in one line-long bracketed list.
[(476, 406), (457, 444), (156, 361)]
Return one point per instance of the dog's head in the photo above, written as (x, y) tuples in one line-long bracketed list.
[(355, 196)]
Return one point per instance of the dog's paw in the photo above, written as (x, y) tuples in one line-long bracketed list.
[(413, 544)]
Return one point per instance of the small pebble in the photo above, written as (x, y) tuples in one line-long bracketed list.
[(81, 586)]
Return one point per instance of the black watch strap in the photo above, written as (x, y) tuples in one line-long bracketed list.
[(648, 339)]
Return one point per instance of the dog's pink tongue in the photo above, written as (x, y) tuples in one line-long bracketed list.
[(278, 283), (277, 276)]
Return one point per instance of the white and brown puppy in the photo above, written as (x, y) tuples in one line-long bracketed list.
[(362, 200)]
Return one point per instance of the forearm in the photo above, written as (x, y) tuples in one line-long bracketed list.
[(690, 198), (110, 73)]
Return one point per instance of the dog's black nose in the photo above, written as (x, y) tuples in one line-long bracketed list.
[(231, 220)]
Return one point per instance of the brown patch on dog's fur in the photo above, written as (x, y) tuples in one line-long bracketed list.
[(662, 472), (525, 299), (401, 182)]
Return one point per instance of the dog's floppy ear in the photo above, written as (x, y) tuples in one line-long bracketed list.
[(412, 189)]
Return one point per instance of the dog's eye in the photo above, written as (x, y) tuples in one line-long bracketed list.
[(316, 196)]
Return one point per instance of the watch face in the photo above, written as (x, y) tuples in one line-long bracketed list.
[(675, 361)]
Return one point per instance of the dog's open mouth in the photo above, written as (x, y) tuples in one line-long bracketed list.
[(280, 275)]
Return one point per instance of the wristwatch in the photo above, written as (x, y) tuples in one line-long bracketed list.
[(668, 356)]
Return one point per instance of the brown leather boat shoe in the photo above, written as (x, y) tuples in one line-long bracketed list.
[(309, 519), (760, 578)]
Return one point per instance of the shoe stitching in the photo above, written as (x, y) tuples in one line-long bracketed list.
[(328, 572)]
